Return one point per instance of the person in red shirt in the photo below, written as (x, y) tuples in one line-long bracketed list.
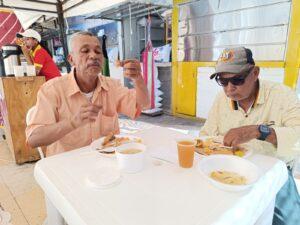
[(38, 56)]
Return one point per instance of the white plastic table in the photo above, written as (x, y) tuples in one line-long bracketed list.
[(162, 194)]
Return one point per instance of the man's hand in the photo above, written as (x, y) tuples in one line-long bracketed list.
[(240, 135), (86, 113), (132, 68)]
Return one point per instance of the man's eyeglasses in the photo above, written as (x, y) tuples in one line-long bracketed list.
[(236, 80)]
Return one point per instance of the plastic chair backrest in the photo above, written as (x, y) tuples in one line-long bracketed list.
[(28, 117)]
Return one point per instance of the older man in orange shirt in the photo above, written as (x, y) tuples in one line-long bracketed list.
[(73, 110)]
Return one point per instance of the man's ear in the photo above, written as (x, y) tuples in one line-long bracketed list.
[(70, 60), (256, 71)]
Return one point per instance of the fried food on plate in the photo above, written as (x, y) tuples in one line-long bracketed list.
[(211, 147), (109, 138), (228, 177), (113, 141)]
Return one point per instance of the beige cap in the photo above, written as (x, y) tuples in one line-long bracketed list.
[(30, 33), (234, 60)]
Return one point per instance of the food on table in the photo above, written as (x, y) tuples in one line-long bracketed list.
[(113, 141), (131, 151), (199, 143), (210, 146), (227, 177), (108, 139)]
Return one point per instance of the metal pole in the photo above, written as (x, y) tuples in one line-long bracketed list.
[(63, 36)]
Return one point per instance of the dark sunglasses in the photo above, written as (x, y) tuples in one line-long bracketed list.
[(236, 80)]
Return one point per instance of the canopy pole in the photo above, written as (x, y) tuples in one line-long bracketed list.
[(63, 36)]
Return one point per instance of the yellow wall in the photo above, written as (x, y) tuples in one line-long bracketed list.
[(292, 63), (184, 74)]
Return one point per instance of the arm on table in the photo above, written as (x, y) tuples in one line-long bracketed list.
[(240, 135), (283, 135), (47, 134), (44, 128)]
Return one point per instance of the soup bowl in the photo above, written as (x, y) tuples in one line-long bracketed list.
[(131, 157)]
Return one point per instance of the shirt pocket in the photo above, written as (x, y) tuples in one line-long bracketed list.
[(108, 124)]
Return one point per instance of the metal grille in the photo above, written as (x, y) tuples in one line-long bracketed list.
[(206, 27)]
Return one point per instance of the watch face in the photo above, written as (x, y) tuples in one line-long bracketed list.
[(264, 129), (264, 132)]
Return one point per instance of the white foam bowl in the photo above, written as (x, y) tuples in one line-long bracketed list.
[(131, 163), (229, 163)]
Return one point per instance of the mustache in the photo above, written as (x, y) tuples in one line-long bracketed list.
[(94, 63)]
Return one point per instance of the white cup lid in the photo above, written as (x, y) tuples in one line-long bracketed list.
[(104, 177)]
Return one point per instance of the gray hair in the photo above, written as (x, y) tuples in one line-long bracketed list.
[(80, 33)]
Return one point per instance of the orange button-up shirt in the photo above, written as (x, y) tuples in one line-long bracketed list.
[(59, 99)]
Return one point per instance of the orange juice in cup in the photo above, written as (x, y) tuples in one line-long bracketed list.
[(186, 149)]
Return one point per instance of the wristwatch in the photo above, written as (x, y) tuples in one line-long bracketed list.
[(264, 131)]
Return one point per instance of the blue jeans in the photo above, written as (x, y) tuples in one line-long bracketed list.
[(287, 204)]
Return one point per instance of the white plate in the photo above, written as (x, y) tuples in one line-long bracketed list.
[(96, 145), (220, 139), (104, 177), (232, 164)]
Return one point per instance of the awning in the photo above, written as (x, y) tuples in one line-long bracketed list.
[(37, 8), (46, 9), (131, 8)]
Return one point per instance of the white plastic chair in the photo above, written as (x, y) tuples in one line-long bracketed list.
[(53, 216), (28, 117)]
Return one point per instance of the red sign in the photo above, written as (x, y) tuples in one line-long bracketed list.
[(9, 26)]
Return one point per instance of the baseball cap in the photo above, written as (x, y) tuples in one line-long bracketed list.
[(234, 60), (30, 33)]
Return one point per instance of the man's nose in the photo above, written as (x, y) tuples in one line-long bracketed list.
[(230, 87), (93, 55)]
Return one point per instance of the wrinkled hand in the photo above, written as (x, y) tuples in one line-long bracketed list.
[(87, 113), (132, 68), (240, 135)]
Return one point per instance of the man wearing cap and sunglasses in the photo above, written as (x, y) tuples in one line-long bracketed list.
[(262, 113), (38, 56)]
